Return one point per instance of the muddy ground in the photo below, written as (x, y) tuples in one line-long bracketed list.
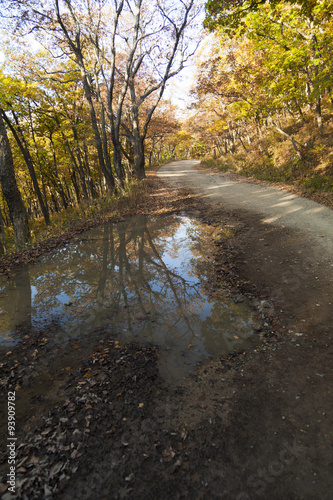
[(253, 424)]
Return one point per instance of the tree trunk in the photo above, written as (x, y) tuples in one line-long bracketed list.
[(107, 159), (60, 187), (318, 113), (290, 137), (80, 164), (98, 141), (117, 163), (76, 187), (3, 247), (39, 163), (90, 184), (10, 190), (28, 160), (139, 157)]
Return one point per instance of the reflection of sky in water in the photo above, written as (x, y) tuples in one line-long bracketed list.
[(138, 277), (177, 252)]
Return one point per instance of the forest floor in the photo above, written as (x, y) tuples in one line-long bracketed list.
[(254, 424)]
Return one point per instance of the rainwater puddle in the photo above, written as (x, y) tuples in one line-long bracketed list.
[(140, 279)]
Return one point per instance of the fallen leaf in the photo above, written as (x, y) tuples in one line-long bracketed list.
[(184, 434), (22, 462), (191, 345)]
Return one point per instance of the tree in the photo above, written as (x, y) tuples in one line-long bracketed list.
[(230, 14), (10, 190), (126, 52), (268, 60)]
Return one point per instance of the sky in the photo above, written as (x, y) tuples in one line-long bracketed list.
[(178, 88)]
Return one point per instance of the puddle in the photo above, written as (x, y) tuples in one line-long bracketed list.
[(141, 279)]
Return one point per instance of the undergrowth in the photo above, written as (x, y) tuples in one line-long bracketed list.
[(272, 158), (111, 206)]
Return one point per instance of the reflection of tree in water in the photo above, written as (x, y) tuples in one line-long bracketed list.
[(117, 276), (132, 266), (226, 328), (16, 302)]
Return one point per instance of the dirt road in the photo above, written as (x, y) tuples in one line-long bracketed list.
[(287, 247), (282, 251)]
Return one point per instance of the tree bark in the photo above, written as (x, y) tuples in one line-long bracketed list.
[(11, 192), (3, 247), (139, 156)]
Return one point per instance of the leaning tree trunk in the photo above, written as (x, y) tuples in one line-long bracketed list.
[(290, 137), (11, 192)]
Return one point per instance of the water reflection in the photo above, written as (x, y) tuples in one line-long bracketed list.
[(141, 279)]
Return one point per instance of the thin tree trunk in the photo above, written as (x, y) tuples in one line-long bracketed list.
[(318, 113), (3, 247), (38, 160), (90, 184), (290, 137), (107, 159), (61, 189), (76, 187), (80, 164)]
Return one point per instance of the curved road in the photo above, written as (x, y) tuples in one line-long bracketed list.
[(274, 206), (282, 252), (286, 249)]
